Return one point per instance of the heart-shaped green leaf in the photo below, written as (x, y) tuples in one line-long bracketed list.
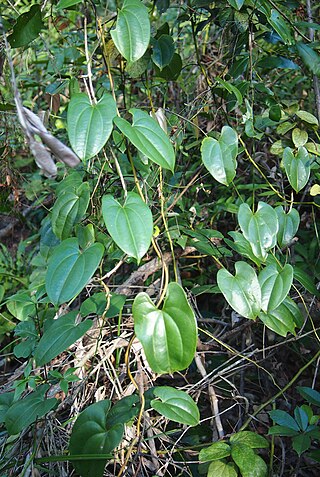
[(297, 167), (216, 451), (219, 156), (175, 405), (251, 439), (69, 209), (288, 225), (130, 225), (281, 320), (25, 411), (91, 434), (219, 468), (260, 228), (90, 125), (274, 285), (70, 269), (168, 336), (132, 33), (249, 463), (61, 334), (148, 137), (241, 291)]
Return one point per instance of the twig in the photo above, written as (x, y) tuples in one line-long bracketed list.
[(212, 396)]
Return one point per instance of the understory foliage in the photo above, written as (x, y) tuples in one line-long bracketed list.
[(159, 225)]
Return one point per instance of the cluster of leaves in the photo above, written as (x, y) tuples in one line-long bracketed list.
[(113, 79)]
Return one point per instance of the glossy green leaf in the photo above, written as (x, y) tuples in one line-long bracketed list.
[(280, 320), (219, 156), (92, 435), (70, 269), (69, 209), (27, 410), (90, 125), (288, 225), (251, 439), (241, 291), (219, 468), (274, 285), (175, 405), (271, 62), (297, 167), (249, 463), (148, 137), (168, 336), (132, 33), (216, 451), (310, 57), (163, 51), (60, 334), (27, 27), (260, 228), (130, 225), (67, 3)]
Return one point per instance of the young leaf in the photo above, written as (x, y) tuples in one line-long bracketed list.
[(241, 291), (148, 137), (69, 209), (70, 269), (130, 225), (24, 412), (259, 227), (168, 336), (219, 156), (288, 225), (59, 336), (216, 451), (132, 33), (274, 285), (90, 125), (91, 434), (27, 27), (297, 167), (175, 405)]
